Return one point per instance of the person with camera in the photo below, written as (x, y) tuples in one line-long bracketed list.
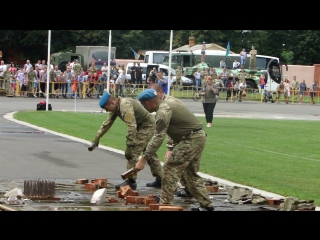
[(152, 76)]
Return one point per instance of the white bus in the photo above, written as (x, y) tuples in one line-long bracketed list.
[(269, 66)]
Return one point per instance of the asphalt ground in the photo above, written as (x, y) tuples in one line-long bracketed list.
[(30, 152)]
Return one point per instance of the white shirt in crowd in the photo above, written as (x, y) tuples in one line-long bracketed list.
[(3, 67)]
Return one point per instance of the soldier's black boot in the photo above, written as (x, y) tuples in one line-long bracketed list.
[(200, 208), (131, 183), (156, 183)]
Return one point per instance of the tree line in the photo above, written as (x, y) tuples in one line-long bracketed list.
[(297, 47)]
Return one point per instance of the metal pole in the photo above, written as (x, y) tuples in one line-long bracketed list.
[(169, 71), (48, 69), (109, 61)]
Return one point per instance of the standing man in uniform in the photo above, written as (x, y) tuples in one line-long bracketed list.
[(133, 73), (178, 77), (140, 125), (52, 80), (189, 140), (31, 76), (93, 68), (242, 75), (253, 59), (139, 72), (6, 79), (295, 87)]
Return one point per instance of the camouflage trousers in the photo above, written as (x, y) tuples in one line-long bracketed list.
[(144, 134), (185, 161), (253, 64), (7, 85)]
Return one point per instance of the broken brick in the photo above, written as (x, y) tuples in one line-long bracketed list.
[(135, 199), (91, 186), (126, 191), (155, 206), (212, 188), (82, 181), (170, 208), (118, 194), (148, 201), (112, 200)]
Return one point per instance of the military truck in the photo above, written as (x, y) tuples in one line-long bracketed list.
[(98, 54), (61, 59)]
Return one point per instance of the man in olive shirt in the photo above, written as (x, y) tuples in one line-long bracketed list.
[(140, 124), (178, 78), (185, 130), (180, 191)]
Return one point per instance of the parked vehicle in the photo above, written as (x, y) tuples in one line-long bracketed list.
[(96, 54), (148, 67)]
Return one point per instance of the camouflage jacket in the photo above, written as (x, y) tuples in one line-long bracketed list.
[(77, 68), (174, 119), (93, 69), (32, 75), (52, 76), (6, 74), (132, 114), (242, 76)]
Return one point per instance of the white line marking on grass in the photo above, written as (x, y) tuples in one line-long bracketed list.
[(279, 153)]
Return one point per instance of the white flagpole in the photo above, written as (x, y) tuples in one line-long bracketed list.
[(48, 69), (109, 56), (169, 72)]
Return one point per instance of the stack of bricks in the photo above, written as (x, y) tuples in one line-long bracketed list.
[(132, 197), (94, 185)]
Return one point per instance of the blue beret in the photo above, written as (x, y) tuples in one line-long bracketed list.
[(104, 99), (147, 94)]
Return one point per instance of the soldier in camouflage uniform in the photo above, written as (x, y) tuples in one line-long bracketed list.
[(181, 192), (204, 73), (185, 130), (141, 126), (242, 75), (178, 77), (31, 76), (6, 79), (77, 68), (93, 68), (253, 59), (295, 87), (52, 80)]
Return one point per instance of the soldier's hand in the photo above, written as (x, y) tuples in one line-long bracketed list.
[(94, 144), (128, 153), (140, 164)]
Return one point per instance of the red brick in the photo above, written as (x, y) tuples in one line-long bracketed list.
[(149, 201), (118, 194), (212, 189), (112, 200), (170, 208), (91, 186), (135, 193), (155, 206), (102, 183), (275, 202), (82, 181), (135, 199)]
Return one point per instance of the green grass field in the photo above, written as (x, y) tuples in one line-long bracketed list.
[(283, 159)]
